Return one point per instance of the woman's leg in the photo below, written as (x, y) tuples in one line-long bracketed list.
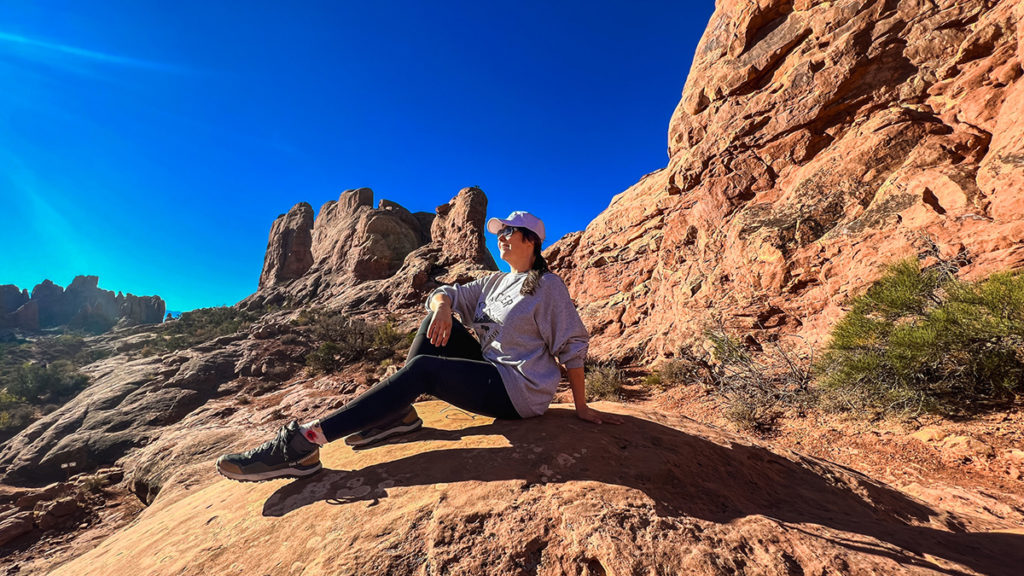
[(472, 385), (403, 418)]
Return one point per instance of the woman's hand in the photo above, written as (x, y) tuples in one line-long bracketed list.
[(596, 416), (440, 328)]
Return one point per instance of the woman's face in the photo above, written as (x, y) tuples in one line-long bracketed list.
[(514, 248)]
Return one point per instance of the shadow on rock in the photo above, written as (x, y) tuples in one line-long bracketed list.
[(684, 474)]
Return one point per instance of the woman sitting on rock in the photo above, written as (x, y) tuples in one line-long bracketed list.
[(526, 324)]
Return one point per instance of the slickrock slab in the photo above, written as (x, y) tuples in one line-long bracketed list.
[(555, 495)]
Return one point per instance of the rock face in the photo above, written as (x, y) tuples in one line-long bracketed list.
[(354, 255), (82, 304), (814, 143), (11, 298), (289, 250), (555, 495), (141, 309)]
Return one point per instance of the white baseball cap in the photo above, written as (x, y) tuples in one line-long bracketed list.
[(519, 219)]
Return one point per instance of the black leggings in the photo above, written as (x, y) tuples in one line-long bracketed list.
[(456, 373)]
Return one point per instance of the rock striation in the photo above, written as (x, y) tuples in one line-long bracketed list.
[(357, 257), (82, 305), (815, 142)]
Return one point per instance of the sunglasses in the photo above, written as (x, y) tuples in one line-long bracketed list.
[(507, 232)]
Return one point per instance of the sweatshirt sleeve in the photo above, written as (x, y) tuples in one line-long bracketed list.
[(559, 323), (464, 298)]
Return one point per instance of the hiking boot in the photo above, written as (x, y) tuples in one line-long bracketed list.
[(403, 424), (288, 454)]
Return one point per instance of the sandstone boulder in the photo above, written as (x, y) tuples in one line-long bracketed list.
[(814, 143), (14, 524)]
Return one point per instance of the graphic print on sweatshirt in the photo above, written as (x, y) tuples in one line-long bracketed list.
[(496, 306)]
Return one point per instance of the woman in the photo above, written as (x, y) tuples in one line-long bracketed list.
[(527, 325)]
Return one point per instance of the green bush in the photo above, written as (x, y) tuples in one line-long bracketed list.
[(387, 336), (15, 414), (39, 374), (40, 383), (325, 359), (604, 381), (345, 339), (920, 342)]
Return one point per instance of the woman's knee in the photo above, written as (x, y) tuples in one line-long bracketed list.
[(421, 365)]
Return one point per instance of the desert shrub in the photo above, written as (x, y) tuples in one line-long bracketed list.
[(15, 413), (93, 483), (679, 371), (38, 375), (90, 355), (198, 326), (654, 380), (604, 380), (344, 339), (325, 359), (39, 383), (920, 341), (757, 386), (387, 336)]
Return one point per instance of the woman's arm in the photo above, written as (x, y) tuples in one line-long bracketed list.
[(440, 328), (579, 397)]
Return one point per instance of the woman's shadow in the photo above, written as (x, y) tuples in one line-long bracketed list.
[(697, 473)]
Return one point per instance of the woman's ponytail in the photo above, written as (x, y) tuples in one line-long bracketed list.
[(539, 268)]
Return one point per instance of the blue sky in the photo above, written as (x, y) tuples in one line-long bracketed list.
[(153, 144)]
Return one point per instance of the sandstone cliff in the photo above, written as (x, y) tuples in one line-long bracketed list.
[(814, 143)]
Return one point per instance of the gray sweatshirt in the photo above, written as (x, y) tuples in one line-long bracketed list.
[(525, 337)]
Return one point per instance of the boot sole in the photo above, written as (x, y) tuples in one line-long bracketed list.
[(291, 472), (385, 434)]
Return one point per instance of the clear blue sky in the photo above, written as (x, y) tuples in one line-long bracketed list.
[(153, 143)]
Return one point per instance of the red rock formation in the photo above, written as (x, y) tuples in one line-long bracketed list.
[(141, 309), (11, 298), (82, 305), (814, 143), (458, 230), (289, 250), (373, 259), (351, 238)]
